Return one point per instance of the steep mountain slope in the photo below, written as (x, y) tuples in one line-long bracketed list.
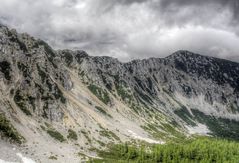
[(62, 103), (186, 87)]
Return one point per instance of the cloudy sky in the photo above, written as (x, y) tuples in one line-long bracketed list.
[(130, 29)]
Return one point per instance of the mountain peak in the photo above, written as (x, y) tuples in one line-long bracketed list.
[(184, 54)]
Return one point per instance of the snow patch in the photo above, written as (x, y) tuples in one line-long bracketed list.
[(25, 159), (2, 161), (199, 129), (136, 136)]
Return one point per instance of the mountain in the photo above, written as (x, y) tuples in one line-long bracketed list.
[(64, 104)]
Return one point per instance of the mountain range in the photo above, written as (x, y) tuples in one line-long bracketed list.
[(65, 103)]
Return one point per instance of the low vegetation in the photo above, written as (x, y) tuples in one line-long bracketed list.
[(219, 127), (52, 158), (101, 110), (99, 93), (7, 130), (166, 131), (203, 150), (184, 114), (41, 73), (123, 93), (67, 57), (82, 155), (14, 38), (20, 101), (72, 135), (86, 135), (55, 134), (23, 68), (109, 134), (49, 51), (59, 94), (5, 68)]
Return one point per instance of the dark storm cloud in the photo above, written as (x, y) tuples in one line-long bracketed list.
[(130, 29)]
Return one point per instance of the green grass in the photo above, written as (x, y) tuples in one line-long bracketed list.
[(56, 135), (99, 93), (72, 135), (7, 130), (200, 150)]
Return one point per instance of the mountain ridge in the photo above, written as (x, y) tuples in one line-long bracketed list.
[(49, 95)]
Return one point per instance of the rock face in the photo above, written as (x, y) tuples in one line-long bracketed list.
[(30, 75), (103, 100)]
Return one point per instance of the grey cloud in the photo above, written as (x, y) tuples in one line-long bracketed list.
[(166, 3), (124, 2), (129, 29), (219, 5)]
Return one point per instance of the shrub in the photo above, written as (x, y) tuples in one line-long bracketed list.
[(101, 110), (86, 135), (52, 158), (99, 93), (123, 93), (5, 67), (68, 57), (72, 135), (109, 134), (21, 102), (7, 130), (56, 135)]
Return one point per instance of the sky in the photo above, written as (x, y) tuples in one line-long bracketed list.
[(130, 29)]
